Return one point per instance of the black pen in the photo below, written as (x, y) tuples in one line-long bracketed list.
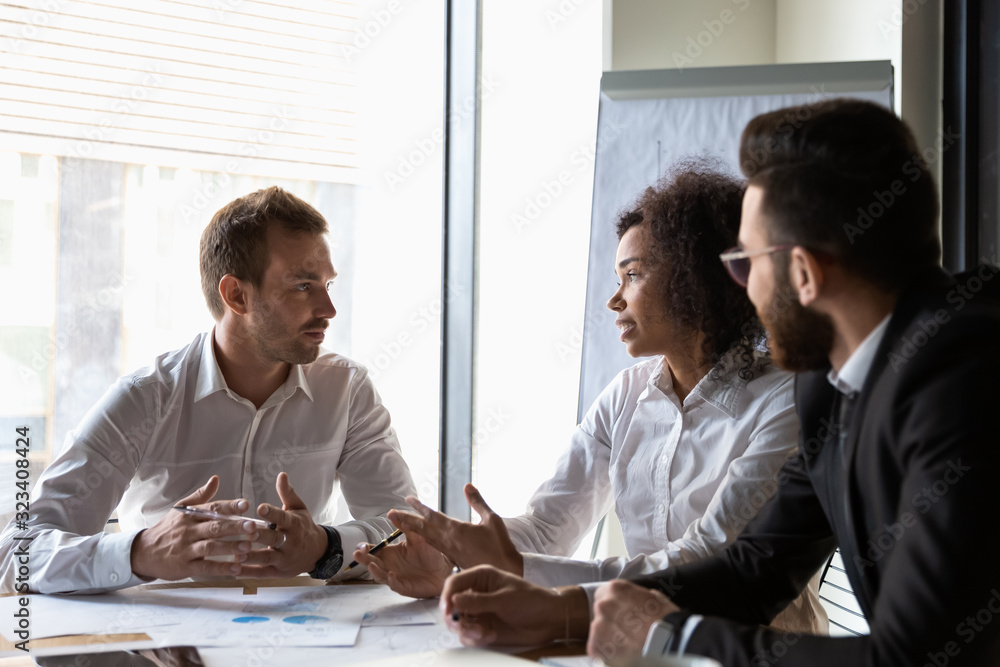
[(378, 547), (208, 514), (456, 615)]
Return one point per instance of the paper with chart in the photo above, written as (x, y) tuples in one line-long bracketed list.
[(413, 612), (287, 616), (106, 614), (294, 616)]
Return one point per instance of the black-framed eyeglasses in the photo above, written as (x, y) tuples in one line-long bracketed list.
[(737, 260)]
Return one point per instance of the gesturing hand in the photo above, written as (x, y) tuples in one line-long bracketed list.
[(465, 544), (495, 607), (413, 568), (296, 543), (178, 545), (623, 613)]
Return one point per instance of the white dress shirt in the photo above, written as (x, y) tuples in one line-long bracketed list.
[(685, 477), (159, 434), (851, 378)]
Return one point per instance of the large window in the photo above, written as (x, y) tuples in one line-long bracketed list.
[(541, 71), (124, 127)]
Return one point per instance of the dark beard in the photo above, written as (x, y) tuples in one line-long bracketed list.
[(800, 338)]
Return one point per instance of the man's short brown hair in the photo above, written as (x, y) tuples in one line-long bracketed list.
[(235, 241)]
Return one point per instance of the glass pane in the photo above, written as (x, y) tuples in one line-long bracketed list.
[(99, 257), (541, 75)]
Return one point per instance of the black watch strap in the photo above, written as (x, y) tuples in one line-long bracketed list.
[(331, 561)]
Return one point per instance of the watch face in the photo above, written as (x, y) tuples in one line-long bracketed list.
[(329, 568)]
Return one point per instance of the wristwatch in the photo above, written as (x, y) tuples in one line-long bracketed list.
[(658, 641), (330, 562)]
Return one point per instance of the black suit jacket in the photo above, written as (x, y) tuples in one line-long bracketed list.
[(915, 508)]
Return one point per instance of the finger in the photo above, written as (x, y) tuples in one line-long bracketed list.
[(474, 603), (435, 524), (204, 494), (393, 517), (235, 507), (416, 530), (212, 529), (471, 631), (476, 578), (264, 558), (381, 576), (289, 499), (272, 538), (361, 555), (215, 568), (407, 522), (207, 548), (474, 634), (476, 502), (278, 517)]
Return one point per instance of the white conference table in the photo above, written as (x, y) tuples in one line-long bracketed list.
[(429, 645)]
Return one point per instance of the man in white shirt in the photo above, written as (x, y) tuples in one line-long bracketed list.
[(250, 407)]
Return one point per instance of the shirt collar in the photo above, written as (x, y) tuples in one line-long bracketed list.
[(853, 373), (210, 379), (722, 386), (297, 380)]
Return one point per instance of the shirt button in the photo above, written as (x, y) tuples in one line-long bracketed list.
[(113, 577), (660, 509)]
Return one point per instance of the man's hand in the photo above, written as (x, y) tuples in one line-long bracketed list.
[(178, 545), (464, 544), (495, 607), (623, 614), (413, 568), (294, 546)]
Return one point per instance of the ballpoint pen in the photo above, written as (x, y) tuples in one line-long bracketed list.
[(378, 547)]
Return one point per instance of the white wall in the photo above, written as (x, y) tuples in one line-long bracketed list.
[(839, 31), (651, 34), (654, 35)]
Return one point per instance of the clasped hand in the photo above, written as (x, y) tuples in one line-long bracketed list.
[(181, 546)]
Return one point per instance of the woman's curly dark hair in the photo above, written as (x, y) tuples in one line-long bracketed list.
[(694, 215)]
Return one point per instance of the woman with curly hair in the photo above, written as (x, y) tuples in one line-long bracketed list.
[(686, 444)]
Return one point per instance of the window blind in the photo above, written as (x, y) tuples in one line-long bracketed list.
[(238, 86)]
